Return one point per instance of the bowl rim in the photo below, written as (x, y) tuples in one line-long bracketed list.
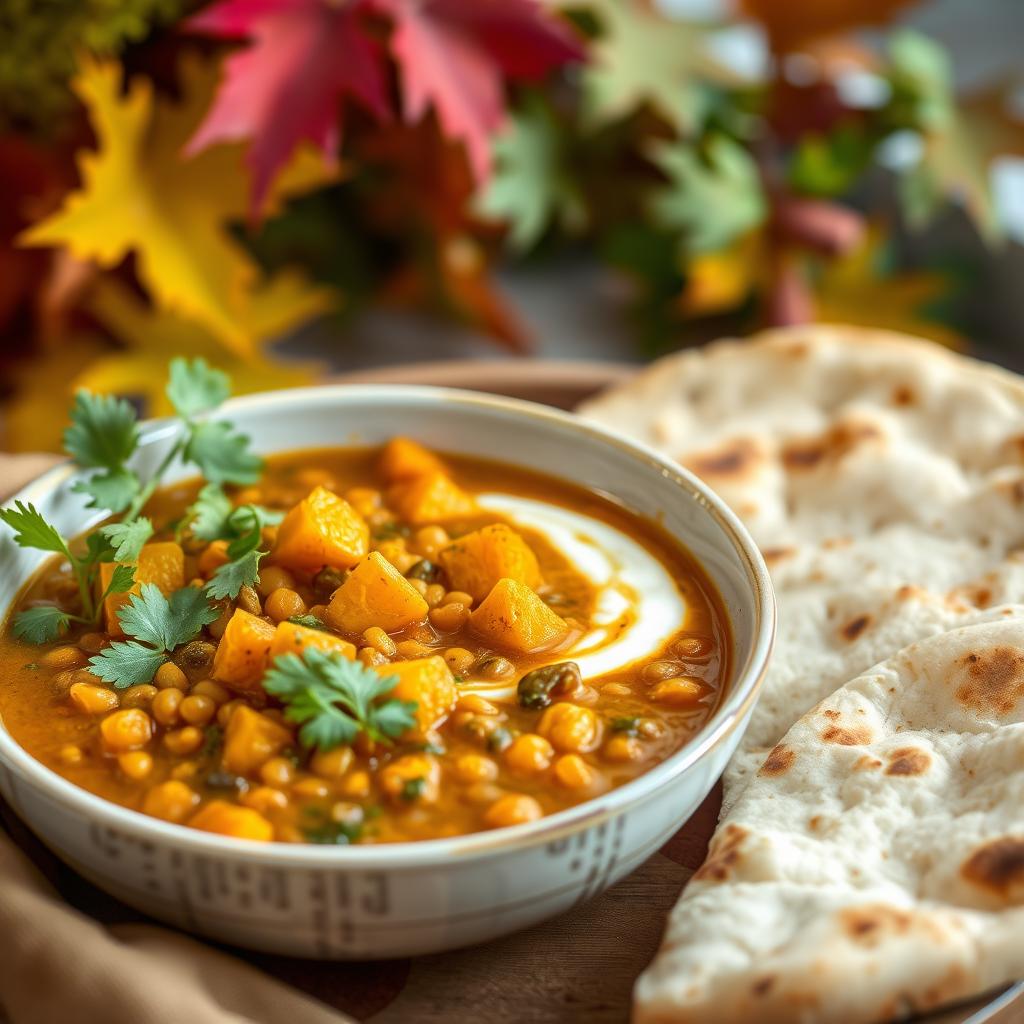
[(416, 854)]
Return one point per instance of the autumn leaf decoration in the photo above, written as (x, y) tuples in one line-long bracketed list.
[(291, 83)]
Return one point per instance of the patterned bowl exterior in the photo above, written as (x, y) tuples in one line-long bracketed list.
[(410, 898)]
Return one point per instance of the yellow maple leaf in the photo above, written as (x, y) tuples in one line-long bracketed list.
[(139, 194)]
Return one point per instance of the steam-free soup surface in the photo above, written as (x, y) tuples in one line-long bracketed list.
[(482, 590)]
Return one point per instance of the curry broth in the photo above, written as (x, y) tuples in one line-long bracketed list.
[(474, 770)]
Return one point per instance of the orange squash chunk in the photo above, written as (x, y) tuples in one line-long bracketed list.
[(375, 593), (514, 618), (162, 563), (427, 681), (291, 638), (430, 498), (322, 529), (244, 651), (231, 820), (475, 562), (402, 459), (251, 739)]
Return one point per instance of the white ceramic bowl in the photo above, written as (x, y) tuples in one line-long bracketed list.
[(409, 898)]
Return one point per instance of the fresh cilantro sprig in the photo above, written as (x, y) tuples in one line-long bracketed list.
[(334, 699), (157, 625)]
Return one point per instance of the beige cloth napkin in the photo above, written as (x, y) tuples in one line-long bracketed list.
[(59, 965)]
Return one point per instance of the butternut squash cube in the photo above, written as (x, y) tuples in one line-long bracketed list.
[(291, 638), (244, 651), (514, 618), (427, 681), (162, 563), (402, 459), (475, 562), (251, 739), (320, 530), (430, 498), (375, 593), (231, 820)]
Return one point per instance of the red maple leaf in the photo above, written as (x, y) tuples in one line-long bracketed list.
[(454, 53), (305, 58)]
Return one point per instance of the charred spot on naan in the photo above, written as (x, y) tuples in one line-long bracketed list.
[(872, 924), (855, 627), (903, 395), (908, 761), (779, 761), (866, 763), (839, 441), (763, 986), (775, 555), (846, 735), (993, 679), (723, 854), (737, 459), (998, 866)]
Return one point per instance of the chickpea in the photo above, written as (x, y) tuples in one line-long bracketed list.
[(570, 728), (272, 578), (483, 793), (658, 670), (529, 754), (476, 768), (225, 711), (62, 659), (376, 637), (184, 741), (623, 748), (616, 689), (677, 692), (365, 500), (284, 604), (93, 643), (413, 649), (185, 771), (428, 540), (477, 705), (459, 660), (420, 586), (434, 595), (127, 729), (208, 688), (512, 809), (171, 801), (71, 754), (414, 778), (449, 618), (140, 696), (264, 799), (356, 785), (197, 709), (573, 772), (166, 706), (311, 789), (168, 676), (458, 597), (93, 700), (62, 681), (370, 656), (278, 771), (332, 764), (249, 601), (494, 668), (83, 675), (136, 764), (693, 648)]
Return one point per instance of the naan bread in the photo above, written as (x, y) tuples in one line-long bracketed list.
[(882, 477), (874, 867)]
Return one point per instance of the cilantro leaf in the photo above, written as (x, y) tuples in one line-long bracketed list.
[(309, 621), (335, 699), (122, 580), (222, 454), (209, 513), (126, 539), (114, 489), (31, 530), (195, 387), (40, 625), (190, 611), (228, 579), (103, 432), (127, 663)]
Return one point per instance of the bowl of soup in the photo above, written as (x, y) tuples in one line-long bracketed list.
[(492, 657)]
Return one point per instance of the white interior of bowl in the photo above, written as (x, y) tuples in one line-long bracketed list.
[(511, 431)]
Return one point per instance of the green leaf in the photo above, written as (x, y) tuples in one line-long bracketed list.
[(122, 580), (228, 579), (40, 625), (830, 165), (921, 82), (195, 387), (103, 431), (250, 529), (114, 489), (714, 196), (531, 185), (31, 530), (127, 663), (334, 699), (126, 539), (208, 515), (223, 455), (309, 621), (166, 623)]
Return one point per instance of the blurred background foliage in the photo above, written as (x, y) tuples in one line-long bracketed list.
[(210, 179)]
